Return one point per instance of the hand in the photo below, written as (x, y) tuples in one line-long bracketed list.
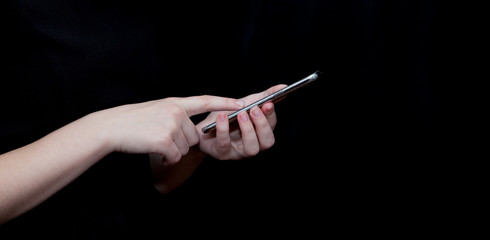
[(253, 134), (162, 127)]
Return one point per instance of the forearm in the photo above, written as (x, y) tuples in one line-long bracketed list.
[(31, 174)]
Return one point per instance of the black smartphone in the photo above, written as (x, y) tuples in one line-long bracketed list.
[(270, 98)]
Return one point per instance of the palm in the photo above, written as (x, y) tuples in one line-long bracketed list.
[(209, 145)]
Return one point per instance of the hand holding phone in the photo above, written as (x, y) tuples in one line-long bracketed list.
[(270, 98)]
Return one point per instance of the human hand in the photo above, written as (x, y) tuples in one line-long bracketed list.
[(253, 134), (161, 127)]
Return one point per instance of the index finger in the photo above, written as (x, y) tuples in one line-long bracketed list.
[(207, 103), (254, 97)]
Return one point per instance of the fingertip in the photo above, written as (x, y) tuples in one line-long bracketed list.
[(268, 109), (256, 112), (222, 123), (221, 117), (207, 103), (243, 117), (217, 103)]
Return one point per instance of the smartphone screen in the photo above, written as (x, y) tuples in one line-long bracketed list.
[(270, 98)]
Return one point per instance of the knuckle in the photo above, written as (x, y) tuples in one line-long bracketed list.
[(164, 139), (162, 142), (252, 151), (206, 97), (255, 151), (194, 141), (171, 99), (268, 143), (247, 130), (184, 151), (273, 124), (174, 110), (261, 123), (224, 145), (206, 100), (174, 158), (169, 127), (194, 138)]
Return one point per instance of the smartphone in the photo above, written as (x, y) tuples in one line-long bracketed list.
[(270, 98)]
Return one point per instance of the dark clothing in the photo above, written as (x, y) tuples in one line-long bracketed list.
[(352, 136)]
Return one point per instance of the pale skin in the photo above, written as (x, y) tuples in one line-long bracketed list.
[(31, 174)]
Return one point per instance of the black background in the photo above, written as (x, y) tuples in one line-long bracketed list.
[(352, 149)]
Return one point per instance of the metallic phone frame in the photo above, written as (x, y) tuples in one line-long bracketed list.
[(270, 98)]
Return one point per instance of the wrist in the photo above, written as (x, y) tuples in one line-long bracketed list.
[(99, 128)]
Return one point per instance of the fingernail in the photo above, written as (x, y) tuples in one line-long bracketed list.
[(240, 103), (221, 117), (244, 116), (256, 112)]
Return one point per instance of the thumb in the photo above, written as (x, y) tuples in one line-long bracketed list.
[(206, 103)]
